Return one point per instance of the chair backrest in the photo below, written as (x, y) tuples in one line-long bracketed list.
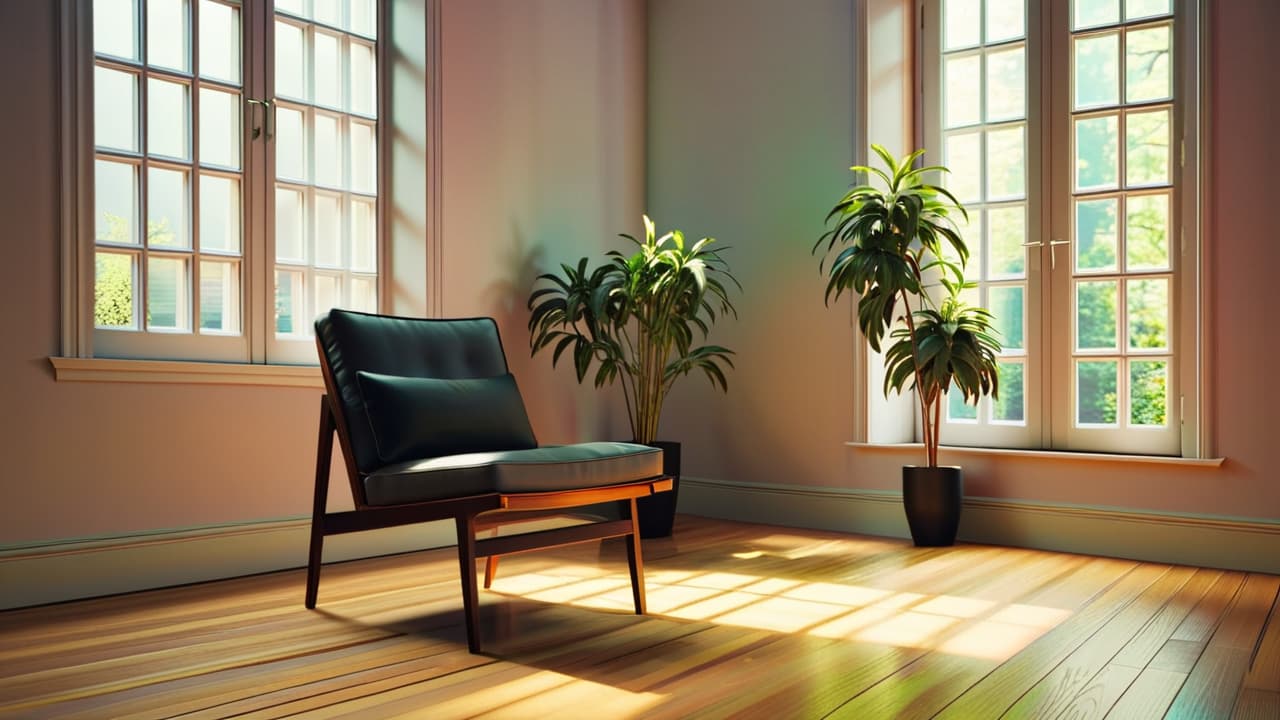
[(350, 342)]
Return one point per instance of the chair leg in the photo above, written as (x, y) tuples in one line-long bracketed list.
[(324, 452), (635, 561), (467, 568), (490, 570)]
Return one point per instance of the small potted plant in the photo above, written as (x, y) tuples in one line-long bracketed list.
[(893, 242), (636, 319)]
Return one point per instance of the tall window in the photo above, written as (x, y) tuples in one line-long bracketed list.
[(1058, 121), (200, 137)]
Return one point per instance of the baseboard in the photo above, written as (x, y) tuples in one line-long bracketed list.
[(1229, 543), (72, 569)]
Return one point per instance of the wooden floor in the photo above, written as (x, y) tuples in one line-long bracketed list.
[(745, 621)]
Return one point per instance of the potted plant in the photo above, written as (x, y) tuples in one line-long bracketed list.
[(636, 318), (895, 244)]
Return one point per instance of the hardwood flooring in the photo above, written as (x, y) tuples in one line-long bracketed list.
[(744, 621)]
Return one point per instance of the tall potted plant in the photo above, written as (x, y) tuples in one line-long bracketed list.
[(636, 318), (893, 241)]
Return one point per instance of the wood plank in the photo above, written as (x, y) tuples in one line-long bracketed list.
[(1152, 638), (1264, 669), (1177, 656), (1213, 685), (1101, 692), (1148, 697), (1257, 704), (1203, 620)]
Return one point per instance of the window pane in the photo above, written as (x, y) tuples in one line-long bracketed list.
[(1097, 70), (1096, 392), (1096, 148), (328, 148), (220, 296), (291, 78), (328, 12), (1147, 147), (1005, 20), (219, 128), (1135, 9), (115, 109), (364, 80), (293, 7), (1006, 84), (167, 203), (327, 70), (1011, 405), (1008, 232), (113, 300), (1147, 232), (291, 314), (115, 28), (1096, 235), (363, 236), (220, 41), (1007, 303), (291, 144), (219, 214), (1146, 60), (961, 77), (1148, 305), (364, 294), (328, 293), (364, 19), (291, 225), (1148, 392), (363, 159), (958, 409), (1096, 315), (168, 118), (328, 229), (167, 35), (1091, 13), (167, 294), (1006, 163), (963, 158), (116, 197), (971, 233), (961, 25)]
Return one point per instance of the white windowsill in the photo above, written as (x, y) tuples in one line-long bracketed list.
[(918, 449), (183, 372)]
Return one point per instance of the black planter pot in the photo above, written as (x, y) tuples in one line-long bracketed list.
[(931, 497), (658, 512)]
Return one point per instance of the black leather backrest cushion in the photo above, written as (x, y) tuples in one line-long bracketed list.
[(408, 347), (415, 418)]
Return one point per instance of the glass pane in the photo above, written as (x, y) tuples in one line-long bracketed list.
[(115, 28), (960, 78), (1091, 13), (364, 234), (1147, 148), (328, 225), (167, 34), (328, 12), (1008, 232), (1135, 9), (115, 109), (1096, 235), (328, 147), (1006, 84), (293, 7), (168, 118), (957, 409), (363, 159), (971, 233), (1005, 19), (327, 70), (1097, 146), (113, 290), (1148, 305), (220, 41), (1007, 306), (1096, 383), (960, 27), (291, 144), (167, 294), (116, 197), (219, 128), (1146, 235), (1146, 62), (963, 158), (364, 81), (1148, 392), (291, 225), (168, 200), (1096, 315), (364, 19), (364, 294), (291, 76), (1097, 70), (328, 293), (219, 214), (220, 296), (1011, 405), (291, 315), (1006, 163)]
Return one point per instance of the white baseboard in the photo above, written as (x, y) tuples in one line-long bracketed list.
[(1236, 544)]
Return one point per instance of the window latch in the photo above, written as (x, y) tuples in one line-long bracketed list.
[(268, 113)]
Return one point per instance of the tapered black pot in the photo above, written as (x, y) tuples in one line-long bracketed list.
[(658, 512), (931, 497)]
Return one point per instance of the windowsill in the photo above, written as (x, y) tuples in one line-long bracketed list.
[(918, 448), (184, 373)]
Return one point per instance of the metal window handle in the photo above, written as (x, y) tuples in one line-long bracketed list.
[(1053, 252), (269, 112)]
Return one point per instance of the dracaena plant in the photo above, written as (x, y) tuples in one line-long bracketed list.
[(637, 318), (899, 245)]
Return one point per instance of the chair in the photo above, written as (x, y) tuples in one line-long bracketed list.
[(432, 427)]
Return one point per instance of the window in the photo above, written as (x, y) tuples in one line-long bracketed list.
[(235, 192), (1059, 122)]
